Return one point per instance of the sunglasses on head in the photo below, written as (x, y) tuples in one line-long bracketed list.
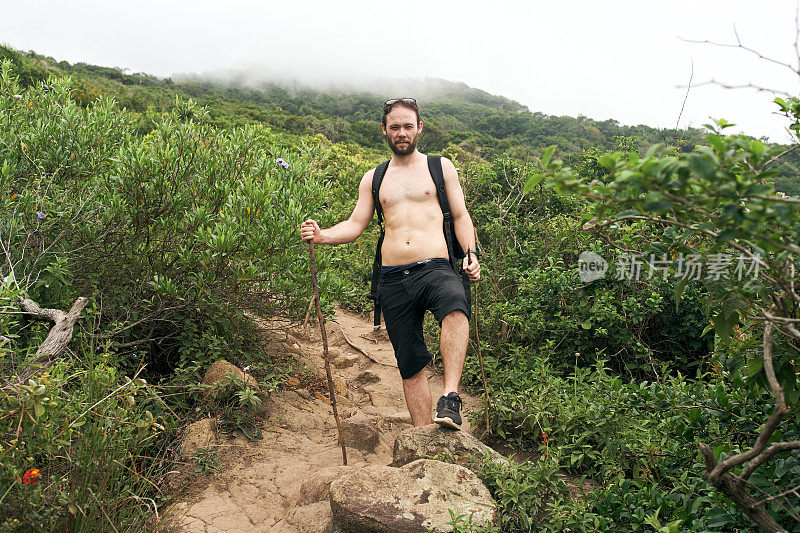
[(392, 101)]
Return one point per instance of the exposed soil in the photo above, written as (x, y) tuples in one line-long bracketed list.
[(258, 485)]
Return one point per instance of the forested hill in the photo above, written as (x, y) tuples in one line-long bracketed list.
[(482, 124), (454, 113)]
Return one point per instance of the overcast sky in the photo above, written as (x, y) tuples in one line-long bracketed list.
[(616, 59)]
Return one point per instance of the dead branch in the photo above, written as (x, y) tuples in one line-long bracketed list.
[(60, 334), (364, 353), (63, 323)]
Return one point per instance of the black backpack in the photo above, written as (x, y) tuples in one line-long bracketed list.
[(454, 249)]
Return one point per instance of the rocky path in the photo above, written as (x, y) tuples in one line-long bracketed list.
[(272, 484)]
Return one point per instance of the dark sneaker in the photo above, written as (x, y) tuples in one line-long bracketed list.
[(448, 411)]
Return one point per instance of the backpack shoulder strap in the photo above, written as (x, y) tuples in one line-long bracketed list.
[(377, 178), (435, 168)]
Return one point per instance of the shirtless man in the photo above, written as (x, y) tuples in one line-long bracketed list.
[(415, 272)]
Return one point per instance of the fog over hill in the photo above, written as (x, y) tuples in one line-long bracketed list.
[(422, 89)]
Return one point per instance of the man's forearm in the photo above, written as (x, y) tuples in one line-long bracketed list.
[(465, 232), (343, 232)]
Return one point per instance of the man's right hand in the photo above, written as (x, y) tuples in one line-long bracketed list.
[(309, 231)]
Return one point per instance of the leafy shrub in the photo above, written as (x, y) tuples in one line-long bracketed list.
[(172, 228), (96, 437)]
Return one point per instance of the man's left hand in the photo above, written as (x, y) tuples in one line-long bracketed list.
[(472, 267)]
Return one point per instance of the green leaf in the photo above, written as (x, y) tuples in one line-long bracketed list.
[(758, 148), (608, 161), (754, 367), (38, 410), (652, 150), (726, 235), (679, 288), (724, 325), (547, 155), (702, 166), (627, 213), (532, 182)]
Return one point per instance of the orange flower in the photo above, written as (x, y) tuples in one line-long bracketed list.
[(31, 476)]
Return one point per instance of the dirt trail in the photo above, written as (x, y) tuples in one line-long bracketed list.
[(258, 487)]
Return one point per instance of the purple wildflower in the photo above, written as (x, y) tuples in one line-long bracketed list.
[(41, 215), (4, 339), (282, 163)]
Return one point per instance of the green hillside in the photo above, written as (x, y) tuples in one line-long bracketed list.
[(477, 122), (454, 113)]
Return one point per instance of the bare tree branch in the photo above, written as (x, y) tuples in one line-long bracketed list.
[(685, 98), (793, 490), (768, 454), (751, 85), (740, 46)]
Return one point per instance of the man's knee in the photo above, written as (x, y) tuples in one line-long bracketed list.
[(419, 376)]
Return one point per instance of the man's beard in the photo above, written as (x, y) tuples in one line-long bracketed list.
[(408, 150)]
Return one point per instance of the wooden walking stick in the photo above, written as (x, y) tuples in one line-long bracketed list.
[(313, 261), (480, 355)]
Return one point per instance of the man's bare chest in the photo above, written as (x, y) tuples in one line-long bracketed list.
[(407, 188)]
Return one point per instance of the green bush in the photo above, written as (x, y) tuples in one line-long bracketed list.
[(96, 437), (176, 227)]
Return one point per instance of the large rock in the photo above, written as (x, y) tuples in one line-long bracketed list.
[(435, 441), (216, 375), (412, 499), (360, 432)]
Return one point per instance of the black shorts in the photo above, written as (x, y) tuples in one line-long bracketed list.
[(405, 295)]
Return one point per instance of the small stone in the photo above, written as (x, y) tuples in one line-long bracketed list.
[(303, 393), (367, 377), (340, 387), (292, 347), (398, 417), (200, 434), (380, 400), (219, 371), (345, 361), (360, 432)]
